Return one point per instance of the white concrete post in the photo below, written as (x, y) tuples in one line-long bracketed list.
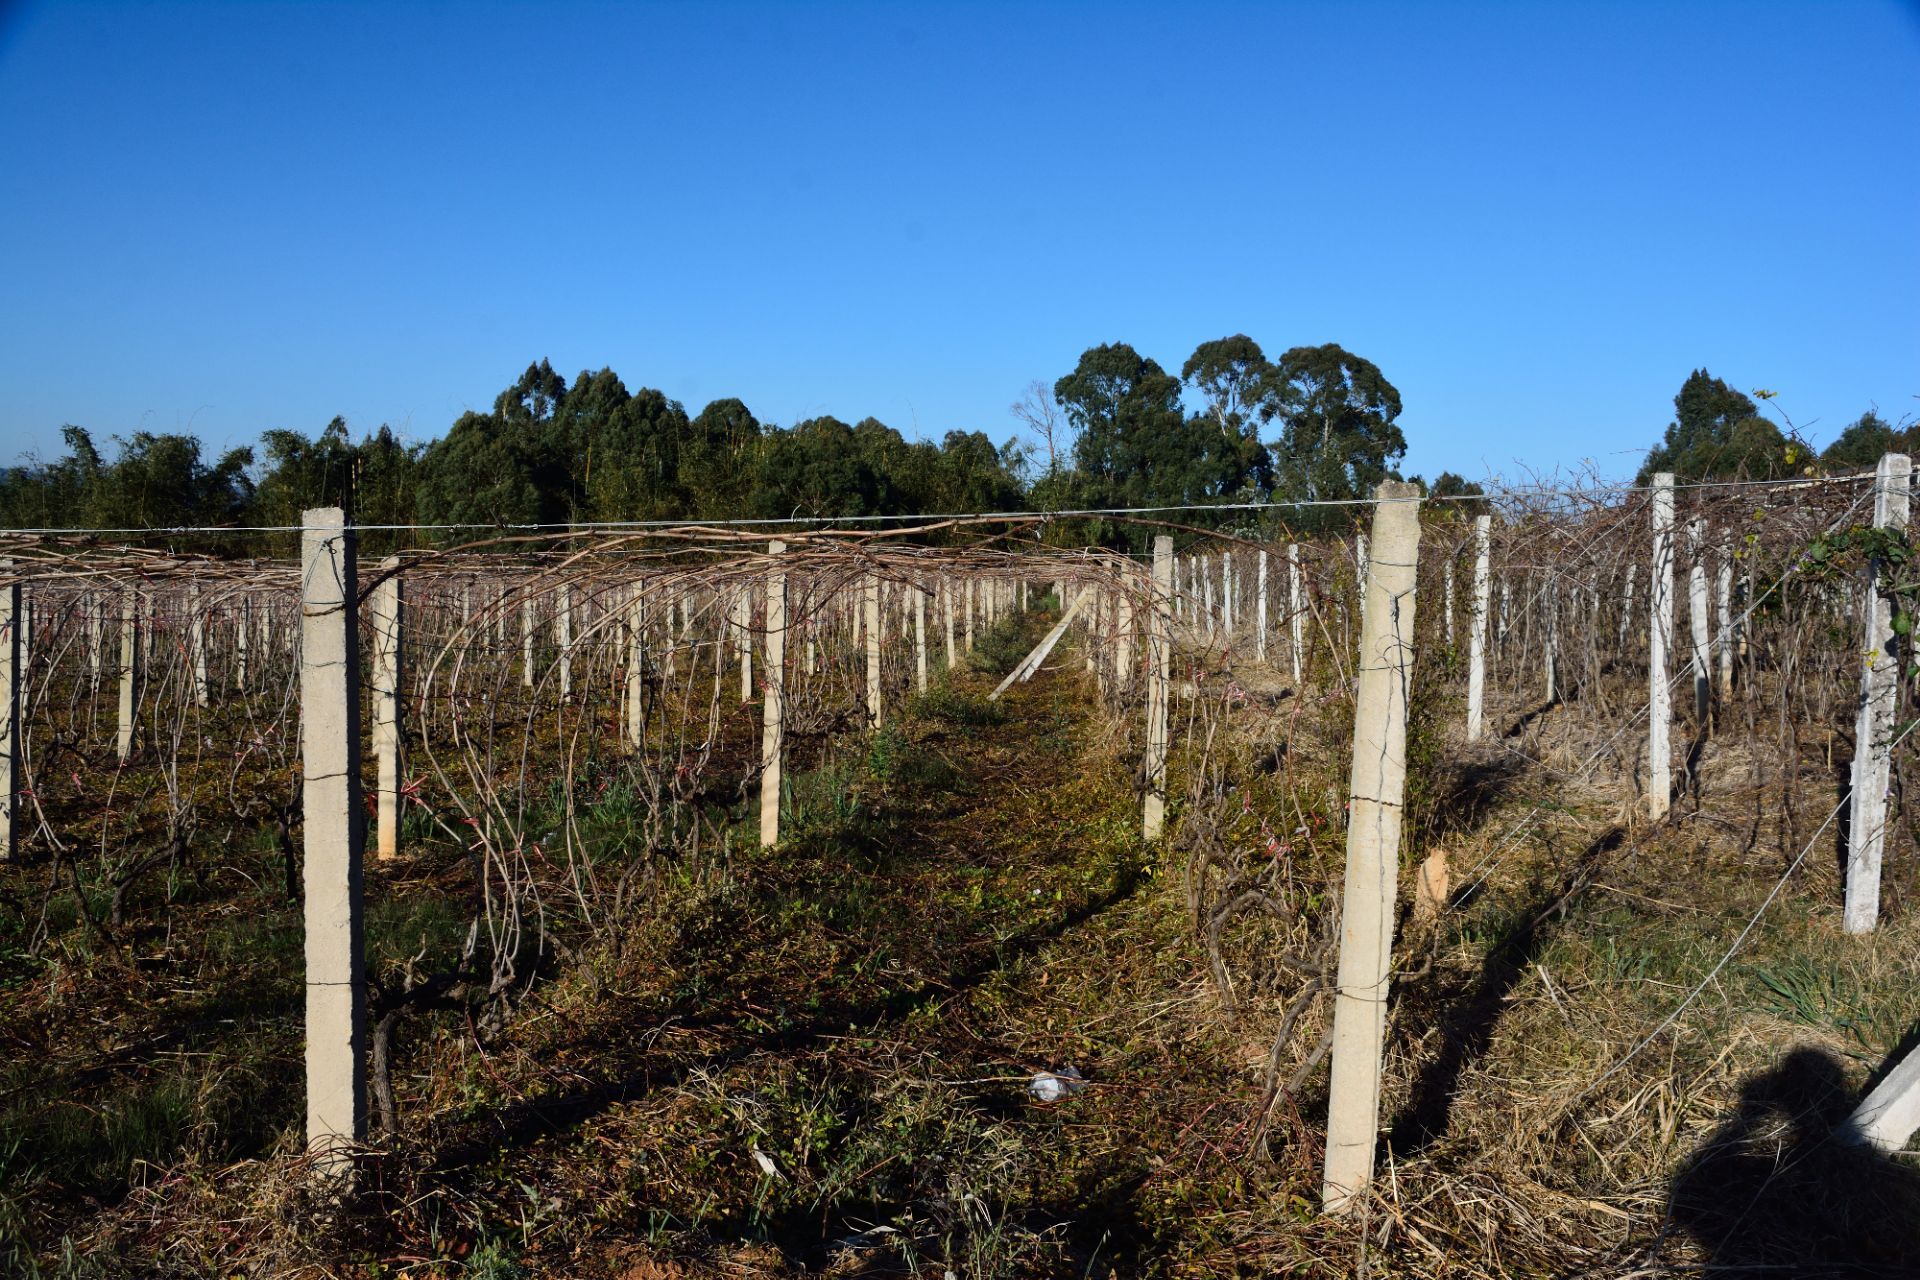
[(773, 708), (1206, 576), (1626, 604), (388, 637), (969, 616), (946, 597), (1123, 642), (244, 614), (1448, 604), (1296, 611), (1376, 793), (1875, 726), (1550, 605), (526, 639), (1260, 609), (129, 670), (636, 726), (1226, 594), (11, 772), (1723, 639), (1477, 627), (1159, 677), (197, 643), (1700, 626), (1888, 1117), (873, 645), (563, 640), (919, 637), (335, 832), (1660, 639), (96, 638)]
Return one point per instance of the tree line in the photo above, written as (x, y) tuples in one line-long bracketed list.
[(1233, 427)]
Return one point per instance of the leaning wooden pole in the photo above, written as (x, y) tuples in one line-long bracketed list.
[(1877, 724), (1376, 793), (1159, 677), (335, 835)]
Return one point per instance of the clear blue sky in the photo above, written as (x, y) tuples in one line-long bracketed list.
[(1536, 219)]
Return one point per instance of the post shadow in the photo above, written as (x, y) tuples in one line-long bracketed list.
[(1775, 1190)]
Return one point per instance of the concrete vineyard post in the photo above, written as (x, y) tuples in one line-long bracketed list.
[(388, 621), (197, 643), (1723, 639), (1879, 706), (946, 597), (129, 671), (335, 831), (1659, 640), (244, 613), (1550, 605), (743, 640), (873, 645), (1159, 676), (919, 637), (773, 708), (526, 640), (1447, 606), (1700, 627), (1477, 628), (1377, 789), (634, 729), (563, 639), (10, 674), (1296, 615), (96, 638), (969, 613), (1260, 608), (1123, 642)]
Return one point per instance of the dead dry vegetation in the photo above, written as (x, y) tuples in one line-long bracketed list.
[(818, 1059)]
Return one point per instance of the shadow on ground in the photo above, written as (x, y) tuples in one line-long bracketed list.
[(1773, 1191)]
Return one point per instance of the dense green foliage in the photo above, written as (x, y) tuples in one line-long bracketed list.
[(1234, 427)]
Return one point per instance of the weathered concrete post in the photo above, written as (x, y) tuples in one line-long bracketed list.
[(1296, 613), (11, 772), (743, 640), (969, 615), (873, 645), (197, 643), (919, 637), (1477, 628), (636, 726), (96, 638), (244, 623), (1378, 788), (129, 670), (1159, 677), (1659, 640), (1448, 603), (388, 637), (1123, 643), (946, 601), (1550, 605), (335, 834), (773, 708), (563, 640), (1260, 609), (1876, 726), (1723, 639), (1701, 627), (526, 639)]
